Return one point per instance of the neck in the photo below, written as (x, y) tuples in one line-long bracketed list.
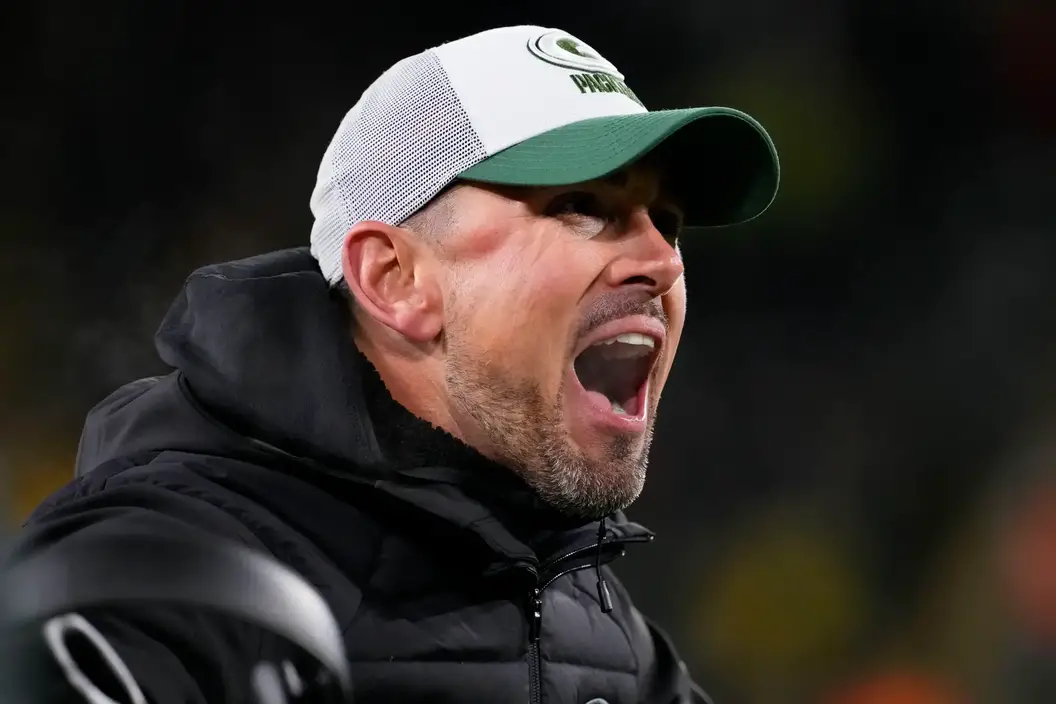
[(410, 379), (415, 380), (411, 439)]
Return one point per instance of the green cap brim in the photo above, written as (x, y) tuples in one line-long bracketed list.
[(719, 162)]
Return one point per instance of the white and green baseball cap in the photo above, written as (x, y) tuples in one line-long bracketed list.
[(526, 106)]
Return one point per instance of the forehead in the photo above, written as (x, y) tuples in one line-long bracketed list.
[(642, 182)]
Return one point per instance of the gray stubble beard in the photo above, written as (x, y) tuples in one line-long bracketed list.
[(528, 437)]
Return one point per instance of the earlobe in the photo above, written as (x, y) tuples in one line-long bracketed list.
[(391, 278)]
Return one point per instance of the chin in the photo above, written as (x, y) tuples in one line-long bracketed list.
[(604, 448)]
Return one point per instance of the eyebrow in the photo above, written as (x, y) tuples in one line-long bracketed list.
[(621, 180)]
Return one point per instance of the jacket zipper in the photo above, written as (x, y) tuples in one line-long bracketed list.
[(535, 660), (535, 611)]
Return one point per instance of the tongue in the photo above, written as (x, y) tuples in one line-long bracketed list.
[(603, 403), (600, 400)]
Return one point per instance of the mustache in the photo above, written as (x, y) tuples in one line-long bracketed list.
[(616, 305)]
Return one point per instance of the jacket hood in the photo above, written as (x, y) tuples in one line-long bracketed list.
[(264, 346)]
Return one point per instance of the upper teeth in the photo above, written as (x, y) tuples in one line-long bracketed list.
[(631, 338), (632, 345)]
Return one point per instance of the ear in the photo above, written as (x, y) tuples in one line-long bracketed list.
[(392, 276)]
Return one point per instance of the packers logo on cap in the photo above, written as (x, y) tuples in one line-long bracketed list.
[(562, 49)]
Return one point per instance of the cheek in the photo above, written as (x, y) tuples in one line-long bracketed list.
[(675, 307), (519, 310)]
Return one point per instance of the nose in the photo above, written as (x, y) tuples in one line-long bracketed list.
[(645, 258)]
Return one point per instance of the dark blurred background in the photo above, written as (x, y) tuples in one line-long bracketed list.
[(854, 477)]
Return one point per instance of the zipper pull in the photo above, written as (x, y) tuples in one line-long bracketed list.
[(603, 589), (535, 618)]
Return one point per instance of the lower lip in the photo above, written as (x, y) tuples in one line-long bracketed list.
[(597, 409)]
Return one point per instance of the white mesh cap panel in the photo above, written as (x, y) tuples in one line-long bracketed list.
[(405, 140)]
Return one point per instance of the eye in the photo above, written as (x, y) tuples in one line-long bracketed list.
[(582, 212), (582, 203), (668, 222)]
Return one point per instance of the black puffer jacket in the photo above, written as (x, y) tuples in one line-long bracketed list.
[(450, 581)]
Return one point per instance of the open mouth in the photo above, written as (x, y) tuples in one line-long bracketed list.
[(615, 372)]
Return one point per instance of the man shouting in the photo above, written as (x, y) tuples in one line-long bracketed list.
[(437, 412)]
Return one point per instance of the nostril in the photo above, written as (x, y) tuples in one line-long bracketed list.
[(645, 280)]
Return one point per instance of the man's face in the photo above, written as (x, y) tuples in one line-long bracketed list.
[(563, 308)]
